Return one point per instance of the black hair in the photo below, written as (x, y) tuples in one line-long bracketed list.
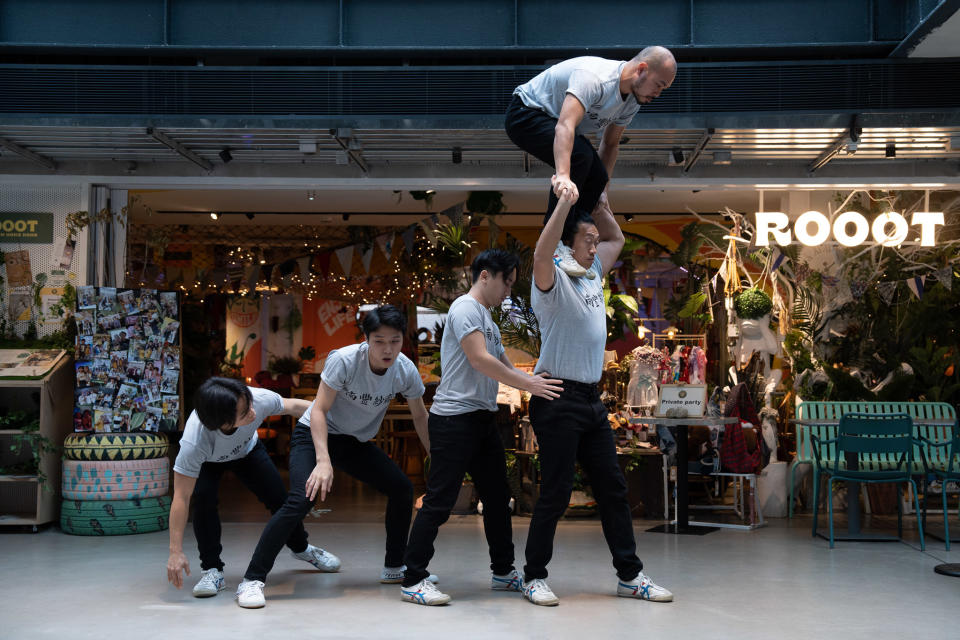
[(218, 399), (494, 261), (385, 315), (572, 224)]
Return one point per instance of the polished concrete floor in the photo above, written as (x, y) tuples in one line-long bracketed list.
[(775, 582)]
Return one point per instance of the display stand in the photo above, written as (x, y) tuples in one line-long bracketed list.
[(23, 501), (682, 524)]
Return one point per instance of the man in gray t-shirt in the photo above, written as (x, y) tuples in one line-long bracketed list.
[(463, 432), (573, 428), (551, 116)]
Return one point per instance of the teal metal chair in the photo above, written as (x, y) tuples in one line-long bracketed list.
[(946, 468), (863, 440)]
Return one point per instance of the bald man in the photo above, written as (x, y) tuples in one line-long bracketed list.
[(554, 115)]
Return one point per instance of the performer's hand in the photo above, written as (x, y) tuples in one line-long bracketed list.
[(543, 386), (176, 563), (321, 479), (561, 182)]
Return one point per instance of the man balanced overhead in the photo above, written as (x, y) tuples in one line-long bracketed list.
[(551, 116)]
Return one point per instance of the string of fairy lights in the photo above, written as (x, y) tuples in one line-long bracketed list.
[(405, 277)]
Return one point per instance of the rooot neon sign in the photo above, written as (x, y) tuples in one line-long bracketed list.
[(849, 228)]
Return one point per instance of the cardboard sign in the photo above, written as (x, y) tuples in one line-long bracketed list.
[(691, 397), (19, 273)]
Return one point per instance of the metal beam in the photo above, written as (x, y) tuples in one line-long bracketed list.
[(162, 138), (940, 14), (29, 155), (698, 150), (345, 139)]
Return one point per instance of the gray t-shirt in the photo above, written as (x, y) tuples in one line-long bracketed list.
[(462, 388), (573, 326), (199, 444), (363, 396), (595, 82)]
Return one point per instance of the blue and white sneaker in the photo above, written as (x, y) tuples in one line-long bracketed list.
[(537, 592), (507, 582), (322, 560), (424, 593), (211, 583), (643, 588)]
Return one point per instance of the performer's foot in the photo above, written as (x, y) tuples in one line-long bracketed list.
[(537, 592), (563, 258), (424, 593), (210, 584), (507, 582), (322, 560), (643, 588), (250, 594)]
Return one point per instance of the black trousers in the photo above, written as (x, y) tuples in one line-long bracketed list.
[(362, 460), (573, 428), (465, 443), (533, 131), (257, 473)]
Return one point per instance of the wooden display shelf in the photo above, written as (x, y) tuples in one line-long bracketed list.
[(23, 500)]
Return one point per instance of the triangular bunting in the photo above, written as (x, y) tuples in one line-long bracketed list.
[(367, 257), (916, 285), (304, 264), (321, 263), (385, 242), (778, 258), (408, 236), (886, 291), (345, 257)]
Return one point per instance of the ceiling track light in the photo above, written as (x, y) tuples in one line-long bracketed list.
[(345, 216), (456, 155), (214, 215), (891, 150), (226, 156)]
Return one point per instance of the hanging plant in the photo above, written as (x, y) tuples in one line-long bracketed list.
[(752, 303), (488, 203), (426, 196)]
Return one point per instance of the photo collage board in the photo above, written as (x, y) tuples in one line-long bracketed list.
[(127, 360)]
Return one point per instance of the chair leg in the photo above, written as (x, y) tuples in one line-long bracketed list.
[(830, 507), (946, 515), (916, 498), (816, 501), (900, 513), (926, 488), (793, 468)]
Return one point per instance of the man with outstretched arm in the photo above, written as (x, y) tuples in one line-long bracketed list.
[(574, 428), (463, 431), (221, 435)]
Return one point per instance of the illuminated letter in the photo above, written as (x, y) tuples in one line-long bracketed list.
[(928, 221), (818, 237), (840, 228), (880, 229), (772, 222)]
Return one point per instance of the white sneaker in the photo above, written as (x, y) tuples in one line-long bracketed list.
[(211, 583), (643, 588), (537, 592), (250, 594), (424, 593), (507, 582), (322, 560), (394, 575), (563, 258)]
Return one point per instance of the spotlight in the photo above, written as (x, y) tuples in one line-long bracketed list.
[(628, 217), (456, 155), (891, 151), (672, 332), (677, 155), (430, 192), (225, 156), (345, 216), (311, 195), (214, 215), (250, 216)]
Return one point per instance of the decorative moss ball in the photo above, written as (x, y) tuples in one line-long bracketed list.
[(752, 303)]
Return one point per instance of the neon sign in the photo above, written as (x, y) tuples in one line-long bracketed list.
[(813, 228)]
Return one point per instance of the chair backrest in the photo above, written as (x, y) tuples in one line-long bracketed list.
[(875, 438)]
